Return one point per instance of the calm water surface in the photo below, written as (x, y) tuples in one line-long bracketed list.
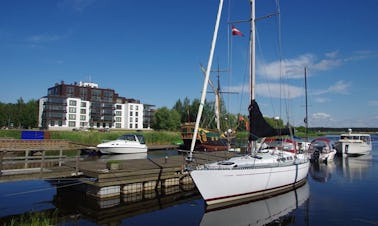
[(344, 192)]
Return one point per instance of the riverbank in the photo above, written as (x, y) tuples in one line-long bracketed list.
[(94, 137)]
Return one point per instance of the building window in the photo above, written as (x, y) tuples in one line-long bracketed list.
[(136, 107), (72, 110), (83, 111), (71, 124), (130, 126), (73, 102), (131, 107), (136, 113), (70, 91), (118, 125), (52, 123), (118, 113), (118, 107), (131, 113), (72, 117), (83, 104), (136, 126), (83, 117)]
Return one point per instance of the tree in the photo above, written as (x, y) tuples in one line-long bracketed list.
[(20, 115), (165, 119)]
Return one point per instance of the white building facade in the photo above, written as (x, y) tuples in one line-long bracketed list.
[(72, 109)]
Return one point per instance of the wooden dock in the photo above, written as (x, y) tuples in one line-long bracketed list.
[(25, 160)]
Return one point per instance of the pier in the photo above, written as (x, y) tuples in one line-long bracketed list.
[(47, 159)]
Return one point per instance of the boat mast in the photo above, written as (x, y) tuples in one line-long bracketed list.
[(306, 105), (252, 47), (205, 84), (252, 67)]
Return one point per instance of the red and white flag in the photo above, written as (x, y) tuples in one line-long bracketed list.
[(235, 31)]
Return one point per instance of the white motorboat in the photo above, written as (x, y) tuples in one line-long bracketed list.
[(322, 150), (125, 144), (354, 144), (264, 172)]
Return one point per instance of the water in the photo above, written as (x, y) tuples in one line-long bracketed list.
[(344, 192)]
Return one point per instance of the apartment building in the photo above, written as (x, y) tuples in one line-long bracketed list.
[(85, 105)]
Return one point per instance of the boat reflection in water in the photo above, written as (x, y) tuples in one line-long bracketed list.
[(259, 212), (322, 172), (124, 156), (356, 167)]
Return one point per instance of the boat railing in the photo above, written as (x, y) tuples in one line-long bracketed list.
[(252, 166)]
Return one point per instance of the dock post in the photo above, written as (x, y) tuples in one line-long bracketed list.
[(60, 156), (2, 153), (42, 162), (77, 162), (26, 159)]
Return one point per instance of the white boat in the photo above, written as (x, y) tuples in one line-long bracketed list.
[(322, 150), (265, 172), (354, 144), (125, 144), (261, 212)]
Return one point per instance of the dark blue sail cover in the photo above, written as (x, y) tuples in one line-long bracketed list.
[(258, 127)]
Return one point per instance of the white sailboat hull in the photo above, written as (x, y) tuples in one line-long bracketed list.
[(218, 186)]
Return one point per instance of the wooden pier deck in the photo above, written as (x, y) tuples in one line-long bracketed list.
[(103, 180)]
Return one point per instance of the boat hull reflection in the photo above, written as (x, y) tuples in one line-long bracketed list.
[(259, 212), (124, 156)]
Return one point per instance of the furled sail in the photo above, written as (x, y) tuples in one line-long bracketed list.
[(259, 127)]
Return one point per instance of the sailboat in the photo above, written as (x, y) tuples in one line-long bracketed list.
[(259, 173)]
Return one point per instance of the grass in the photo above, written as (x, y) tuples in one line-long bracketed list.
[(94, 137)]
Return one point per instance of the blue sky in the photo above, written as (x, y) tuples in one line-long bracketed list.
[(151, 50)]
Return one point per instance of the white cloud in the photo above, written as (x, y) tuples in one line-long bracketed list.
[(291, 68), (44, 38), (373, 103), (243, 88), (321, 100), (294, 68), (332, 54), (321, 116), (340, 87), (77, 5), (279, 90), (325, 64), (272, 90)]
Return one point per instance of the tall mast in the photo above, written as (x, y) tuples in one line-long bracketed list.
[(206, 82), (306, 105), (252, 68), (252, 47)]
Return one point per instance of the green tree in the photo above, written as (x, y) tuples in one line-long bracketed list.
[(165, 119), (29, 115), (19, 115)]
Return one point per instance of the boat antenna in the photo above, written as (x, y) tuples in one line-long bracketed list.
[(205, 84)]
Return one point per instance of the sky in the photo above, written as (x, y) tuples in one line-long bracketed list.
[(152, 51)]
